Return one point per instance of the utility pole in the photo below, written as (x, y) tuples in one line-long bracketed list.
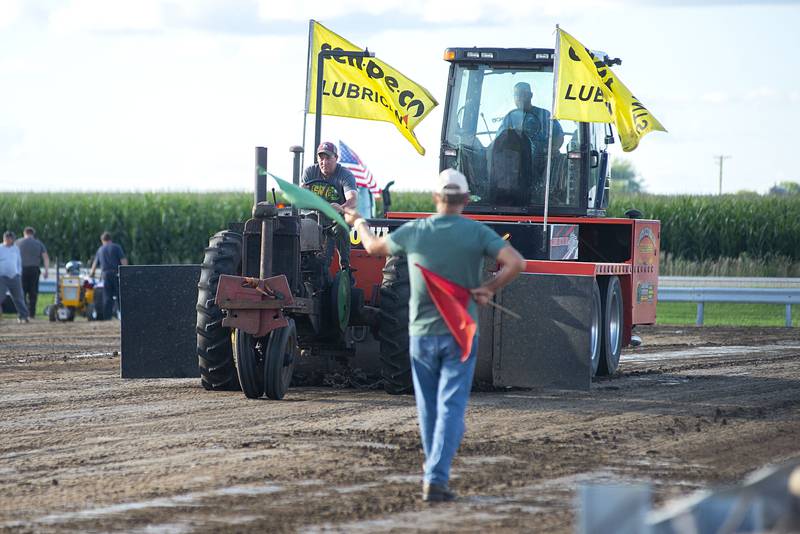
[(721, 158)]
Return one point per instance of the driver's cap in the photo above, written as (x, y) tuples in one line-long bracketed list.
[(452, 182), (328, 148)]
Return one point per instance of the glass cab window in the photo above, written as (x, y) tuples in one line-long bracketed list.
[(497, 132), (598, 166)]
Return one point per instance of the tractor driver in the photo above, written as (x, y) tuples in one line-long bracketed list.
[(337, 185), (533, 121)]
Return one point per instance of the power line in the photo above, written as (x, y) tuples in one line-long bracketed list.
[(720, 159)]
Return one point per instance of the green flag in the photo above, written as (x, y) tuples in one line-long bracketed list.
[(303, 198)]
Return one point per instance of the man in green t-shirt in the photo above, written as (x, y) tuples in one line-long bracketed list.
[(454, 247)]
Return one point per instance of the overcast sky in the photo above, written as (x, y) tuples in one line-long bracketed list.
[(175, 94)]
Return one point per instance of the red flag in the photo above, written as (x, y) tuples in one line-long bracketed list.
[(451, 300)]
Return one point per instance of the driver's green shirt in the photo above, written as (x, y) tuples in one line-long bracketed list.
[(451, 246)]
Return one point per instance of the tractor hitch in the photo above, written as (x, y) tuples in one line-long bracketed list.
[(254, 305)]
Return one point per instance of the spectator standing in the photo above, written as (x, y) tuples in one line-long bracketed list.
[(109, 257), (33, 254), (454, 247), (11, 275)]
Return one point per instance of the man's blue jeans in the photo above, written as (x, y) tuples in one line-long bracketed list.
[(442, 383)]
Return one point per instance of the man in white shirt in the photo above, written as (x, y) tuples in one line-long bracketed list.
[(11, 275)]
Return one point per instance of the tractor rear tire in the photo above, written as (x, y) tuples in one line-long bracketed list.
[(393, 329), (214, 348), (613, 322), (596, 332)]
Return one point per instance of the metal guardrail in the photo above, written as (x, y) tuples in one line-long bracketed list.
[(47, 286), (784, 291), (727, 281)]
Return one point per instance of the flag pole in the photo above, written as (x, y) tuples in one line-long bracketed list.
[(550, 142), (320, 87), (321, 57), (513, 314), (308, 90)]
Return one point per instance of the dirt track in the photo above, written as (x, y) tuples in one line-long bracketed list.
[(82, 449)]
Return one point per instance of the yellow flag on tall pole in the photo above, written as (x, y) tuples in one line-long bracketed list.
[(580, 93), (365, 88), (588, 91)]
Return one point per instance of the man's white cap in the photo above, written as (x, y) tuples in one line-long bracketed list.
[(452, 182)]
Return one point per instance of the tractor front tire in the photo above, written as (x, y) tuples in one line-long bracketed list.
[(214, 348), (281, 355), (393, 328), (248, 356)]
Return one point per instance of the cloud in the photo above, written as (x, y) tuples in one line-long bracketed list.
[(249, 17), (241, 17), (325, 9), (762, 93), (10, 11), (102, 16), (715, 97), (713, 3), (148, 16), (391, 13), (10, 136)]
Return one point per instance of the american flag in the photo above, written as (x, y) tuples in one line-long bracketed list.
[(350, 160)]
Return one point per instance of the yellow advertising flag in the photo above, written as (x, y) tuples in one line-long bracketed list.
[(633, 120), (580, 93), (587, 90), (365, 88)]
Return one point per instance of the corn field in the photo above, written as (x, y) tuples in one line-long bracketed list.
[(730, 233), (151, 227), (709, 227)]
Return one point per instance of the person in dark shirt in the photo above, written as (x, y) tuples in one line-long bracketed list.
[(337, 185), (534, 125), (33, 252), (109, 257), (532, 121)]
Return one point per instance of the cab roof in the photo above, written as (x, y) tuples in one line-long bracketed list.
[(513, 56), (500, 55)]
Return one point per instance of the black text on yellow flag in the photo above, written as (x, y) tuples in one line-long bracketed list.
[(587, 90), (365, 88), (580, 92)]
